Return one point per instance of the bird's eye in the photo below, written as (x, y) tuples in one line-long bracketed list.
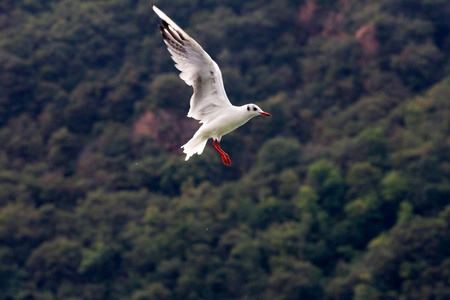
[(254, 108), (248, 108)]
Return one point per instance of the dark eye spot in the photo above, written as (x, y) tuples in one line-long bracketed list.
[(248, 108), (254, 108)]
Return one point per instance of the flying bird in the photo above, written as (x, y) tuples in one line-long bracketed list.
[(209, 103)]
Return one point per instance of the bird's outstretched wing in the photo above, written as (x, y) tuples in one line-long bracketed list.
[(197, 70)]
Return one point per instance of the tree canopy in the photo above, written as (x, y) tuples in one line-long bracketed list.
[(343, 194)]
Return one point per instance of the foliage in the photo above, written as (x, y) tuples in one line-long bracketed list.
[(343, 194)]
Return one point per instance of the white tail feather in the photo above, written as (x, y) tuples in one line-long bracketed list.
[(195, 145)]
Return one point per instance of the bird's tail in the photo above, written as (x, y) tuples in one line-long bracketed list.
[(195, 145)]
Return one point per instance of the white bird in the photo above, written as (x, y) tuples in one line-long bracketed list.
[(209, 104)]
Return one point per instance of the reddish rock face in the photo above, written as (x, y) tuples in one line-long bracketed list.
[(165, 127), (365, 36), (318, 20)]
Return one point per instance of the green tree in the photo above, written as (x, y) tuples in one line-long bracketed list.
[(63, 149), (167, 90), (81, 113), (17, 81), (55, 262), (292, 279), (327, 178), (394, 186), (19, 229), (278, 154), (362, 178)]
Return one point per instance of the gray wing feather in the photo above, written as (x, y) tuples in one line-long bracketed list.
[(197, 70)]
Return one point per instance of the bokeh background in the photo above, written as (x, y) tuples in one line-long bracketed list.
[(343, 194)]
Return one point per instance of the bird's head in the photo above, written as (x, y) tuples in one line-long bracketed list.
[(254, 110)]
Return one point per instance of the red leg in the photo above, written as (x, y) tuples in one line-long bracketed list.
[(225, 157), (218, 150)]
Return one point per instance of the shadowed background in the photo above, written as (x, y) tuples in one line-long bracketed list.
[(343, 194)]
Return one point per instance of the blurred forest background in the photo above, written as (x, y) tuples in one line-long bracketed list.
[(343, 194)]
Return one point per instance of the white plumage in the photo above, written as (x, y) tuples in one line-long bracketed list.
[(209, 103)]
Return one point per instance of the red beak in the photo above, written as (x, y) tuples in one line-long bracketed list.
[(265, 114)]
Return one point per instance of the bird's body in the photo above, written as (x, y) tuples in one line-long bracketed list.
[(233, 118), (209, 103)]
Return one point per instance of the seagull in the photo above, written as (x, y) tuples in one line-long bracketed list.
[(209, 103)]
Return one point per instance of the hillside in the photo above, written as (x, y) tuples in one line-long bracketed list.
[(343, 194)]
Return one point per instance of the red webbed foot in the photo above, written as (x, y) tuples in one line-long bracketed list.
[(225, 157)]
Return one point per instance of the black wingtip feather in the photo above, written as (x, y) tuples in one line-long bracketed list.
[(161, 29), (165, 28)]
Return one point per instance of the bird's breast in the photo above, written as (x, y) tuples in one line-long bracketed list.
[(225, 124)]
